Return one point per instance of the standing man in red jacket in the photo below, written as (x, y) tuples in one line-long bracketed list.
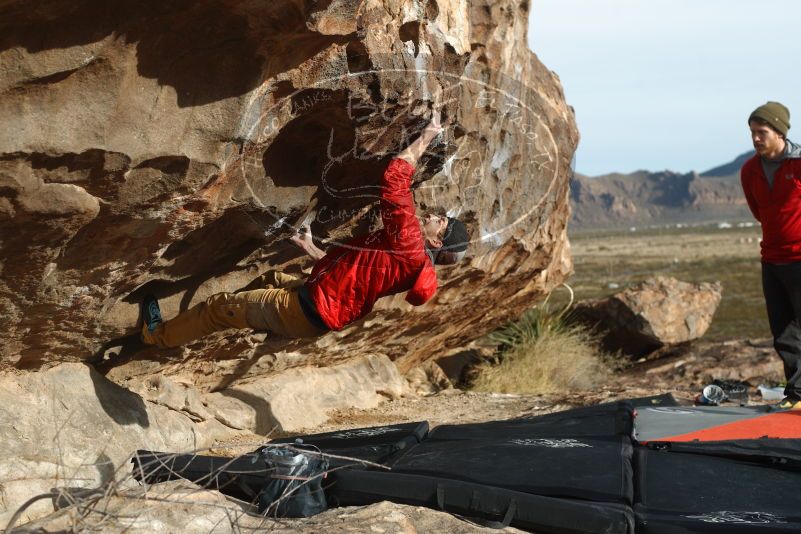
[(345, 282), (772, 185)]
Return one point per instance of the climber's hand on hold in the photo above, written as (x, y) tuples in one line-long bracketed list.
[(434, 127), (303, 238)]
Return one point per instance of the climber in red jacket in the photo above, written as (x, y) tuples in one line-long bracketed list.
[(345, 282)]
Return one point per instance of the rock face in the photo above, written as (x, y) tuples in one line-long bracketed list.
[(182, 507), (289, 400), (171, 147), (70, 426), (660, 311)]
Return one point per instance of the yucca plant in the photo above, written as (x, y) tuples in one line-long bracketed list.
[(534, 323), (543, 352)]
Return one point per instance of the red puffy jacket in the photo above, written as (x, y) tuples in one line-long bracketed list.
[(778, 208), (348, 280)]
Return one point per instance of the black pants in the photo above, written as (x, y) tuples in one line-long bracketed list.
[(782, 287)]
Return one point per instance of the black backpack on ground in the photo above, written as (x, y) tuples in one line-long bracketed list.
[(294, 482)]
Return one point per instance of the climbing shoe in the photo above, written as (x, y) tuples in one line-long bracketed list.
[(151, 314), (790, 403)]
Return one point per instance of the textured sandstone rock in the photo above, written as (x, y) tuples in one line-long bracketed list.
[(182, 507), (659, 311), (171, 147), (148, 147), (70, 426), (428, 379), (285, 401)]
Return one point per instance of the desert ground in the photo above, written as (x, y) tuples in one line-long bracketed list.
[(606, 262)]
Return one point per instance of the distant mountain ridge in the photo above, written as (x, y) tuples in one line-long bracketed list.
[(728, 169), (651, 198)]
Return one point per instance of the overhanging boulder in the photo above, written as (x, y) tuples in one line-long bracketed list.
[(170, 148)]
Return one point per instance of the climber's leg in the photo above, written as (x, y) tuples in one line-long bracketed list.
[(278, 311), (218, 312), (273, 279)]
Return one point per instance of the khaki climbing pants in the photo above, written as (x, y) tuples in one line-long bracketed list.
[(269, 303)]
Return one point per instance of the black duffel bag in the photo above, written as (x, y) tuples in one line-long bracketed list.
[(294, 481)]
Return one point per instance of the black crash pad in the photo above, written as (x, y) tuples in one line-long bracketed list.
[(241, 477), (480, 502), (597, 469), (603, 420), (685, 492), (375, 444)]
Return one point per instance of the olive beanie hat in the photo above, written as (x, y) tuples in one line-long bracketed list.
[(775, 114)]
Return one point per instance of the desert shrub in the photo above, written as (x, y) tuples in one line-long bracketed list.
[(543, 352)]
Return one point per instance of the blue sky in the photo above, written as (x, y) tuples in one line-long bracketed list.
[(669, 84)]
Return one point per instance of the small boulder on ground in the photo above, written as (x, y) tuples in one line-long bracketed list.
[(428, 379), (657, 312)]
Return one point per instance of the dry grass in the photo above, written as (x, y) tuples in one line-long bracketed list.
[(543, 353)]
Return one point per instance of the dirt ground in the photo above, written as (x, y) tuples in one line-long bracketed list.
[(682, 371)]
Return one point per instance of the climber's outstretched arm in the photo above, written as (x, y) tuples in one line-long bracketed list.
[(413, 152)]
